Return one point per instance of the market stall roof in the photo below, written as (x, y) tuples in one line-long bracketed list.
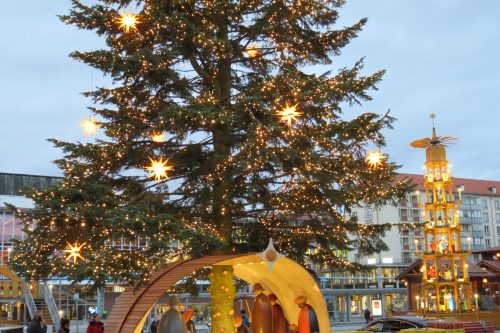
[(414, 270), (287, 280)]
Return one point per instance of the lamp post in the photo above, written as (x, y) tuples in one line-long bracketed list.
[(476, 296)]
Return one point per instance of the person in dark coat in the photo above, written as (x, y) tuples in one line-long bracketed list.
[(64, 326), (367, 315), (37, 325), (154, 325), (96, 325)]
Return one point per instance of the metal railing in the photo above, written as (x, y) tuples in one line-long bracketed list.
[(51, 305), (29, 301)]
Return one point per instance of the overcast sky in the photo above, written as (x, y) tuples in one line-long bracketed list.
[(441, 56)]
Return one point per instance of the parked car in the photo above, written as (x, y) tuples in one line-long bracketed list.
[(395, 324)]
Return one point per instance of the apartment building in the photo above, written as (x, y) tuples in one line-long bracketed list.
[(479, 214)]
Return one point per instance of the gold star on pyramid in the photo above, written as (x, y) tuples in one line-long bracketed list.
[(374, 158), (89, 126), (128, 21), (159, 168), (74, 251), (289, 114)]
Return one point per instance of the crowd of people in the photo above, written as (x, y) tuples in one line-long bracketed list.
[(38, 325)]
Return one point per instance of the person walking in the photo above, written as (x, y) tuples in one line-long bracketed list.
[(64, 326), (154, 325), (96, 325), (367, 314), (37, 325), (244, 318), (188, 317)]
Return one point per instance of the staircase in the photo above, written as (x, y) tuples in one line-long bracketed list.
[(42, 306), (45, 305)]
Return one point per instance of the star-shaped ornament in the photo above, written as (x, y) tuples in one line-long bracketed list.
[(89, 126), (375, 158), (74, 251), (159, 169), (128, 21), (289, 114), (270, 255)]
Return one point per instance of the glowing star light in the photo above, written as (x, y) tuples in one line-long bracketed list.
[(252, 51), (289, 114), (74, 251), (374, 158), (159, 169), (158, 137), (128, 21), (89, 126)]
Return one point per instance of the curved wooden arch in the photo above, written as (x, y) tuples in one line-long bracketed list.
[(287, 280), (132, 306)]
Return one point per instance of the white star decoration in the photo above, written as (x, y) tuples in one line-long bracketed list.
[(270, 255)]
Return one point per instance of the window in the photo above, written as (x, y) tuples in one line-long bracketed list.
[(497, 204), (486, 230), (487, 242), (484, 203), (498, 230), (486, 218), (368, 214), (497, 217)]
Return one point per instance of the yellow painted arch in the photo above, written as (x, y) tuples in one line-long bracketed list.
[(287, 280)]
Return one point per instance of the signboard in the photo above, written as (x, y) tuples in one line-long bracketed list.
[(376, 307)]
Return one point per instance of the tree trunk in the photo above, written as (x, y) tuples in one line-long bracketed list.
[(222, 287), (223, 291)]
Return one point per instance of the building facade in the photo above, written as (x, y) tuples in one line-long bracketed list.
[(479, 216)]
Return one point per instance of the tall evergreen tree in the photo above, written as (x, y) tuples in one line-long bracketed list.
[(259, 147)]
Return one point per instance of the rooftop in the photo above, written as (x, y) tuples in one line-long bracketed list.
[(470, 186)]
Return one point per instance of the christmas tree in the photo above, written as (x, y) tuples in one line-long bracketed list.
[(215, 137)]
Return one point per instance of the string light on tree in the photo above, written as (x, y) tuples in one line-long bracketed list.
[(89, 126), (128, 21), (289, 114), (74, 251), (159, 168), (374, 158)]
